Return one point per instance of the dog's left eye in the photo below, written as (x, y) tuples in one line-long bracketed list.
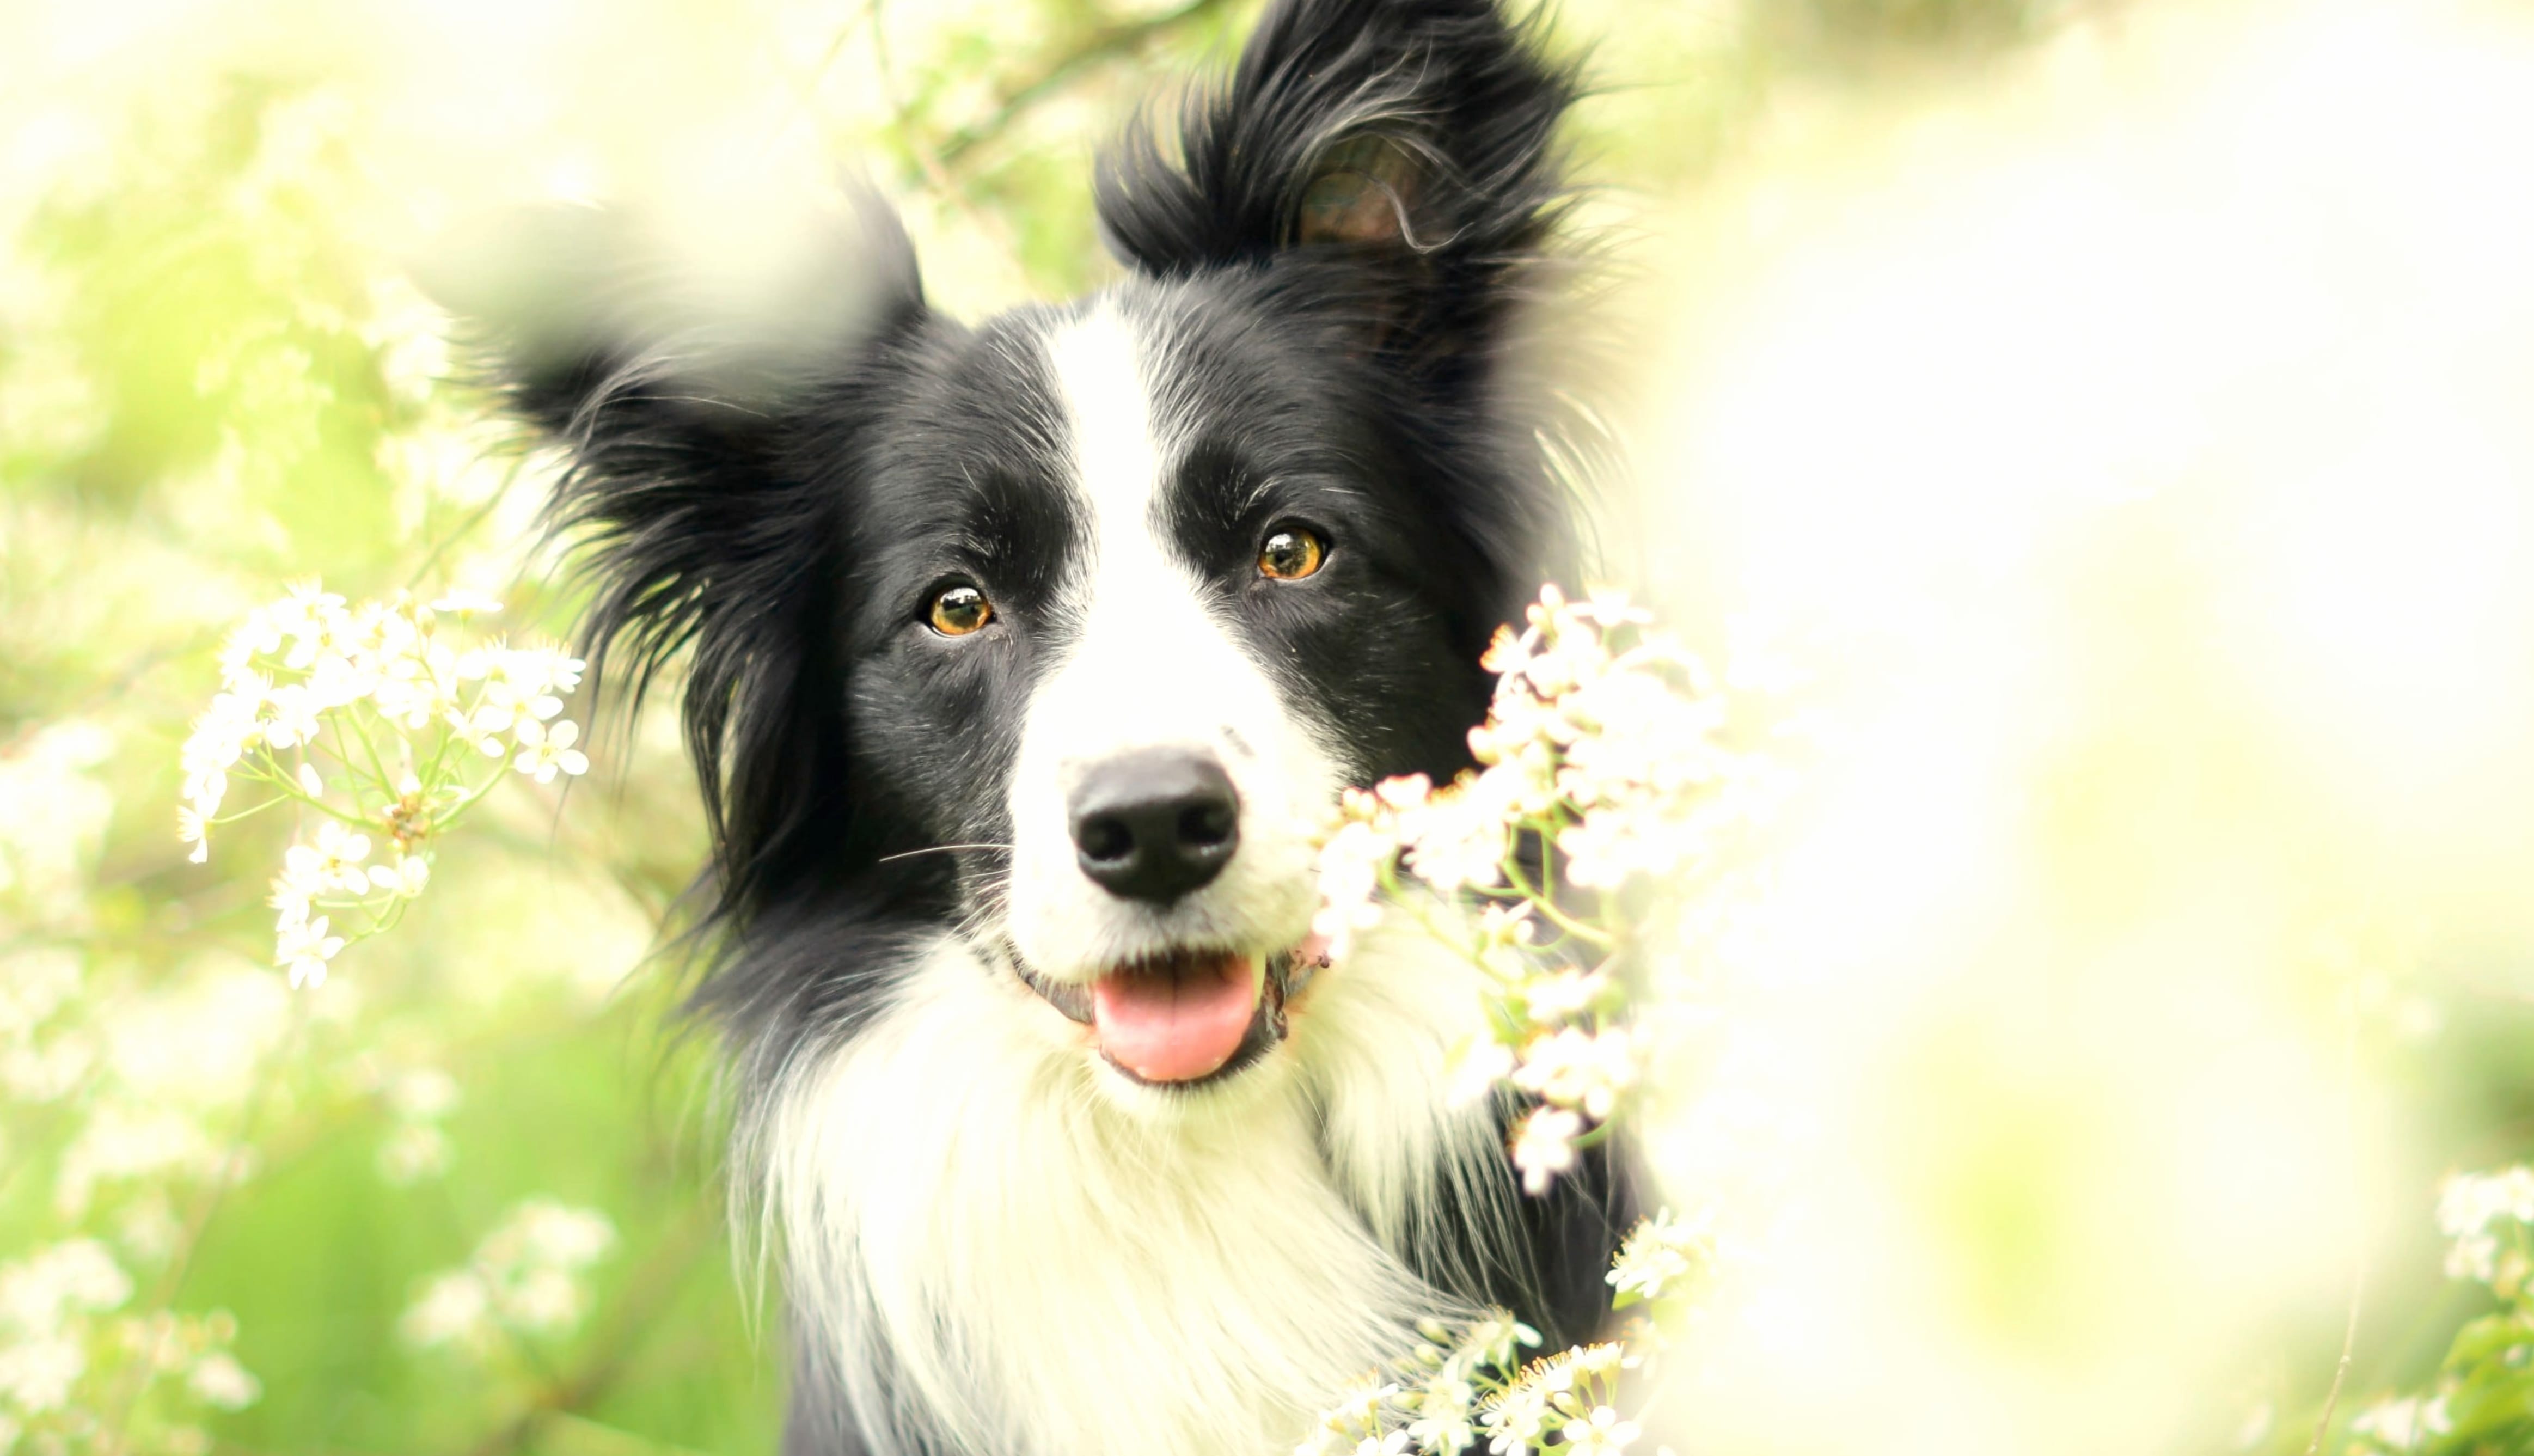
[(961, 610), (1290, 553)]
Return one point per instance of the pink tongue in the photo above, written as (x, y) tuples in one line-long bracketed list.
[(1178, 1021)]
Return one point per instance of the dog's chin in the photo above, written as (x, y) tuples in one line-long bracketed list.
[(1185, 1020)]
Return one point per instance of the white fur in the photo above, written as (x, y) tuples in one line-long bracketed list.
[(1055, 1274), (1032, 1253), (1149, 665)]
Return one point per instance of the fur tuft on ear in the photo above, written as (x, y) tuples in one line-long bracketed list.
[(678, 393), (1416, 128)]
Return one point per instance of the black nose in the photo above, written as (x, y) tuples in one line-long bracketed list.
[(1156, 824)]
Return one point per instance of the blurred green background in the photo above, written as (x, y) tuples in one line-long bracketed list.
[(214, 379)]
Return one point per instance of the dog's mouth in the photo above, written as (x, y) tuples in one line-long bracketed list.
[(1185, 1017)]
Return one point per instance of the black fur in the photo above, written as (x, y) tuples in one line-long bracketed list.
[(1339, 238)]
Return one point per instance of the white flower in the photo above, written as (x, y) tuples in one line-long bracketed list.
[(412, 1153), (1558, 996), (313, 619), (1351, 865), (1544, 1146), (219, 1381), (524, 1276), (303, 949), (1507, 925), (1576, 1068), (543, 751), (2402, 1424), (454, 1309), (1454, 837), (75, 1277), (37, 1374), (1600, 1430), (1514, 1419), (418, 687), (1393, 1444), (1360, 1407), (1661, 1250), (1474, 1073), (337, 861), (1443, 1415), (294, 716), (192, 828), (407, 876), (1597, 1362), (1496, 1340), (2468, 1203), (258, 636)]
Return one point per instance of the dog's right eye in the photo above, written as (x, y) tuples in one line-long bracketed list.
[(960, 610)]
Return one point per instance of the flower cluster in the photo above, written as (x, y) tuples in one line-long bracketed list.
[(376, 722), (1602, 771), (62, 1337), (2483, 1398), (54, 812), (1660, 1260), (528, 1277), (417, 1147), (2490, 1216), (1467, 1385), (2406, 1424)]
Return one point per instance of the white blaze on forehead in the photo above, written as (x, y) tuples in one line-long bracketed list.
[(1143, 661), (1141, 621), (1118, 457)]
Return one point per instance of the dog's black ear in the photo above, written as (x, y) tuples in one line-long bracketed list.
[(682, 383), (1414, 134)]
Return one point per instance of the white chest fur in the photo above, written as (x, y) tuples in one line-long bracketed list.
[(1059, 1263)]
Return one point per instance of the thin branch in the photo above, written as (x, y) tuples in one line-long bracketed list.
[(1100, 46), (2358, 1236)]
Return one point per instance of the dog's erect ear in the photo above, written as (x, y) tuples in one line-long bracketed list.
[(681, 373), (1417, 129)]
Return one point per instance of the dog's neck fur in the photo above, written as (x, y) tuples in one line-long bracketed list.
[(1003, 1247)]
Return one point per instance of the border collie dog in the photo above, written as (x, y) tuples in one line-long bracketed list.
[(1026, 659)]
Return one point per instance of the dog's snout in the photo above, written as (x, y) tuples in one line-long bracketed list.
[(1157, 825)]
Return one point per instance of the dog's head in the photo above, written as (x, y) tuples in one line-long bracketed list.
[(1066, 628)]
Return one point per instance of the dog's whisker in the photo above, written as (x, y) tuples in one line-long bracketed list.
[(907, 854)]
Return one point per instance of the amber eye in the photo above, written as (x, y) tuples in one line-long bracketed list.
[(961, 610), (1290, 553)]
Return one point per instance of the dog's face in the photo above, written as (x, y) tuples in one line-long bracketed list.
[(1138, 589), (1064, 631)]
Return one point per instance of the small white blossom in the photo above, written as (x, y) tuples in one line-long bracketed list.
[(1474, 1073), (79, 1276), (543, 751), (1576, 1068), (526, 1276), (1560, 995), (217, 1381), (2469, 1204), (1600, 1431), (1515, 1419), (406, 878), (37, 1374), (1662, 1252), (2402, 1424), (1544, 1146), (303, 950)]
